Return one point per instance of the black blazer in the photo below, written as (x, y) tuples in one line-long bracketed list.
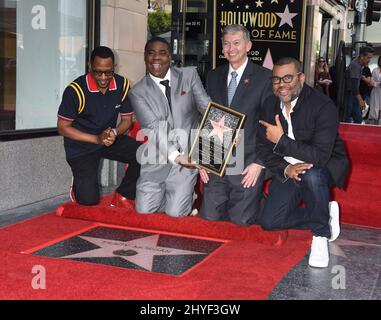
[(253, 89), (315, 125)]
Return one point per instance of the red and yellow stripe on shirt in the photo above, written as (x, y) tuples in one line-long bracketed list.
[(126, 88), (81, 96)]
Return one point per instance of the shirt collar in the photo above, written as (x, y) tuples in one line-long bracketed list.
[(240, 70), (293, 104), (92, 86), (158, 80)]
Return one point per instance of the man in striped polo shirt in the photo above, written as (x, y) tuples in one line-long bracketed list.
[(88, 120)]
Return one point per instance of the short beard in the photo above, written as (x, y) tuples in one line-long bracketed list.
[(296, 93)]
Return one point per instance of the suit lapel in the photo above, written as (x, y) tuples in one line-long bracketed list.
[(161, 107), (176, 86), (223, 93), (278, 110)]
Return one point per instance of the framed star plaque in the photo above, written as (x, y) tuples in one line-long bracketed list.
[(214, 142)]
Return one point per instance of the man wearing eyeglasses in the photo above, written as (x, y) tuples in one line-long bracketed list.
[(88, 120), (298, 142)]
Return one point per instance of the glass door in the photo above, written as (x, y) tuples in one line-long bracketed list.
[(192, 34), (43, 46)]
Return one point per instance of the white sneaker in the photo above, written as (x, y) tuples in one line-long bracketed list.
[(319, 256), (334, 222)]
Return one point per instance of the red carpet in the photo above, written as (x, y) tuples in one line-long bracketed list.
[(360, 202), (185, 225), (246, 268)]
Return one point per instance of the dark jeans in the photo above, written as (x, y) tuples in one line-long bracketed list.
[(353, 110), (282, 210), (85, 171)]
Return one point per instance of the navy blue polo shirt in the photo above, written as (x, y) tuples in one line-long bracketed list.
[(91, 111)]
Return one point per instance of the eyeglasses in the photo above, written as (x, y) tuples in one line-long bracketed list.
[(107, 73), (286, 79), (321, 60)]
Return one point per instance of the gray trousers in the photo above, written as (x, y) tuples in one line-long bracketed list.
[(172, 194)]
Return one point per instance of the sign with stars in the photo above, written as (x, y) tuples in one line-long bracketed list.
[(216, 136), (276, 28), (132, 249)]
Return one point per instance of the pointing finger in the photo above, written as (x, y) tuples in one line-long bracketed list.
[(277, 121), (264, 123)]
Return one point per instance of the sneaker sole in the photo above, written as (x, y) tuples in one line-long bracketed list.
[(318, 266), (334, 237)]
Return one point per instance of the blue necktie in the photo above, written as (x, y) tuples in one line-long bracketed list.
[(232, 87)]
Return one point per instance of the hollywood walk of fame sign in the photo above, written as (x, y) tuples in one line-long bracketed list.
[(214, 142), (276, 27), (132, 249)]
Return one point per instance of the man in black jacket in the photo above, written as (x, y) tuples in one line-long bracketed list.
[(299, 143)]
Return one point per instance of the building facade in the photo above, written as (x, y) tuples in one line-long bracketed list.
[(45, 44)]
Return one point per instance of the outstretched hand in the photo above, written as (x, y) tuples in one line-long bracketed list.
[(273, 132), (184, 161)]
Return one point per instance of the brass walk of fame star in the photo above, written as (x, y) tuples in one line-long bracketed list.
[(219, 129), (286, 17), (335, 247), (138, 251)]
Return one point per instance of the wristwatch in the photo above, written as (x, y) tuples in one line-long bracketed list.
[(115, 132)]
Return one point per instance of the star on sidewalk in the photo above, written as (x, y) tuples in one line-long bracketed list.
[(219, 129), (335, 247), (259, 3), (138, 251), (286, 17)]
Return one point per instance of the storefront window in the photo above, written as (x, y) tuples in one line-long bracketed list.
[(43, 46)]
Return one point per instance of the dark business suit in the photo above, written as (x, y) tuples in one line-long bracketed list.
[(315, 125), (225, 198)]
